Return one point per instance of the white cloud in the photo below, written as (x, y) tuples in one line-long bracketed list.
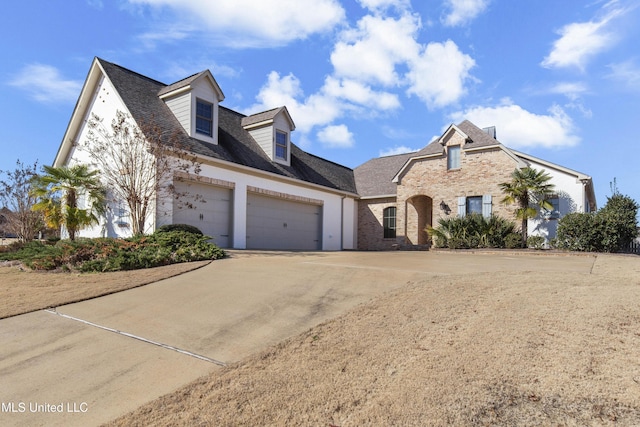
[(519, 128), (571, 90), (371, 61), (628, 73), (580, 41), (256, 22), (358, 93), (439, 74), (97, 4), (398, 149), (45, 84), (371, 52), (315, 110), (377, 5), (336, 136), (463, 11)]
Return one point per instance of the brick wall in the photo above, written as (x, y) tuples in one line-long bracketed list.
[(479, 174), (370, 230)]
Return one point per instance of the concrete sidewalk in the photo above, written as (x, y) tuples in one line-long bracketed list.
[(223, 312)]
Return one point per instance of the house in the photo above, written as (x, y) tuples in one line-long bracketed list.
[(456, 174), (256, 189)]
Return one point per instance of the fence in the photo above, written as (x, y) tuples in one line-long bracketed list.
[(634, 247)]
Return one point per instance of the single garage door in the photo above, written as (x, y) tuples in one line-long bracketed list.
[(210, 210), (274, 223)]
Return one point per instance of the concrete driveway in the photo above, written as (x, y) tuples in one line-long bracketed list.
[(87, 363)]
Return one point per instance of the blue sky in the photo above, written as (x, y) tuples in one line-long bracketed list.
[(361, 78)]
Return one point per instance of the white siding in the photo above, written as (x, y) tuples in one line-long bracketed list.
[(571, 195), (180, 106), (264, 137), (105, 104)]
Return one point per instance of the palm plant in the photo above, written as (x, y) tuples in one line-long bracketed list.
[(58, 192), (528, 188)]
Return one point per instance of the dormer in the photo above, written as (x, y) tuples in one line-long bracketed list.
[(194, 101), (272, 131)]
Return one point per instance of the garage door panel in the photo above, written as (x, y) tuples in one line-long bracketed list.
[(283, 224), (210, 210)]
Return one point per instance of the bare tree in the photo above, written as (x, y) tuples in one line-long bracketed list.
[(138, 163), (17, 201)]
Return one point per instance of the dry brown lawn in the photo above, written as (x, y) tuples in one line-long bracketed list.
[(466, 350), (22, 291)]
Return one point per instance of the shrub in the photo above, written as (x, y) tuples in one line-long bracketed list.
[(611, 229), (578, 232), (178, 227), (535, 242), (471, 231), (513, 241), (98, 255)]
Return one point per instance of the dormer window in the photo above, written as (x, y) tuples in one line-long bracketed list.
[(271, 130), (204, 118), (281, 145)]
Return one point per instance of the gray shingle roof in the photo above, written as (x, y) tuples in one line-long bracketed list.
[(140, 95), (373, 178), (477, 138), (180, 84), (260, 117)]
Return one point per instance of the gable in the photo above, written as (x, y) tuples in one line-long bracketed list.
[(272, 131), (98, 96)]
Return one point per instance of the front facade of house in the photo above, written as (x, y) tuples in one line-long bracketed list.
[(257, 190), (456, 174)]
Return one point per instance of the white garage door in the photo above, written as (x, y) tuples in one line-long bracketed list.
[(274, 223), (208, 208)]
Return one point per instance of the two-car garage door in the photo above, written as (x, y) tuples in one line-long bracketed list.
[(275, 223), (271, 222)]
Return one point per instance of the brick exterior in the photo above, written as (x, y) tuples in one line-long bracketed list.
[(426, 184), (370, 231)]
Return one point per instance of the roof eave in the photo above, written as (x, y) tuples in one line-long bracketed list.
[(77, 116)]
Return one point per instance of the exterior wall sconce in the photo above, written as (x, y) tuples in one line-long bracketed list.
[(444, 207)]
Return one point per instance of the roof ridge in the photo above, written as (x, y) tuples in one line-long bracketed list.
[(130, 71)]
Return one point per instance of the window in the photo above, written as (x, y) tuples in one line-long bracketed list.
[(554, 213), (474, 205), (204, 118), (281, 145), (453, 157), (389, 222)]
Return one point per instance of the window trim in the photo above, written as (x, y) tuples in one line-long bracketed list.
[(478, 200), (209, 120), (450, 164), (278, 145), (389, 229)]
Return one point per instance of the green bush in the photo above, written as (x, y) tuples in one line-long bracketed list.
[(513, 241), (535, 242), (98, 255), (178, 227), (471, 231), (611, 229)]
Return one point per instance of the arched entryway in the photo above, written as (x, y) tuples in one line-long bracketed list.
[(419, 215)]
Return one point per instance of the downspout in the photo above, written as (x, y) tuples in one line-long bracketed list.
[(342, 222)]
